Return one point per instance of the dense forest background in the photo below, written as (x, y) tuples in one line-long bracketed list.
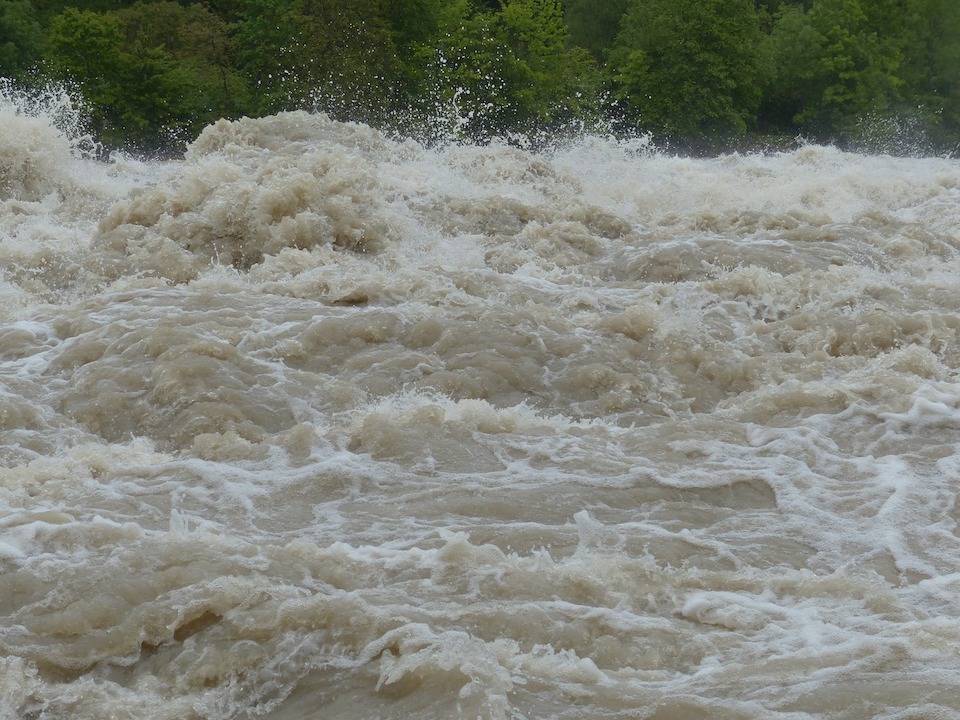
[(698, 75)]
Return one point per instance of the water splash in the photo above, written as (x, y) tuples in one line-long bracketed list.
[(57, 104)]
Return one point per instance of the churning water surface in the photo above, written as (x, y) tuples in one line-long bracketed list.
[(314, 423)]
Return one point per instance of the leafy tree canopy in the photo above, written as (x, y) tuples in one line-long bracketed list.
[(702, 72), (21, 37), (510, 70), (689, 68), (594, 25), (832, 64)]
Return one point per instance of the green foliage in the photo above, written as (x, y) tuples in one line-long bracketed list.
[(594, 25), (153, 72), (416, 22), (193, 56), (337, 55), (510, 71), (21, 37), (689, 68), (87, 47), (563, 78), (478, 75), (833, 67), (932, 65), (271, 50)]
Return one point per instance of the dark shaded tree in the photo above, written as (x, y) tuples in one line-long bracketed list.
[(700, 72), (21, 38), (833, 67), (689, 69), (151, 74), (594, 25), (509, 71), (931, 67), (199, 46), (337, 55)]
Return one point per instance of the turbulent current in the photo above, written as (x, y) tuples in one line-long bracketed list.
[(316, 423)]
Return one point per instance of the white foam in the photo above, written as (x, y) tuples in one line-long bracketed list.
[(583, 433)]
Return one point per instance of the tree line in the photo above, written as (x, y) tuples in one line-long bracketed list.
[(701, 74)]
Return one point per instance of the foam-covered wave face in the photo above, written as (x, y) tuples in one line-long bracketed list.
[(318, 423), (250, 189), (52, 195), (41, 134), (33, 155)]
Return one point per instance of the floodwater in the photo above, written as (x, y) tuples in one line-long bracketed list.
[(314, 423)]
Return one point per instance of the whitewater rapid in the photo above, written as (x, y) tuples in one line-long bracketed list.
[(316, 423)]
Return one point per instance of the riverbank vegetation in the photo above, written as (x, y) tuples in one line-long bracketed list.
[(700, 75)]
